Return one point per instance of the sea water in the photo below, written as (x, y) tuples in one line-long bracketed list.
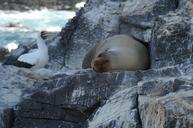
[(22, 27)]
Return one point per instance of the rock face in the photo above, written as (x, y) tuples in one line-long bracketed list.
[(23, 5), (161, 97), (3, 53)]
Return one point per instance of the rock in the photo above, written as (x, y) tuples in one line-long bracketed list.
[(23, 5), (172, 110), (137, 18), (3, 53), (173, 29), (18, 25), (56, 52), (6, 118), (14, 84), (67, 100), (160, 97), (120, 110), (12, 57)]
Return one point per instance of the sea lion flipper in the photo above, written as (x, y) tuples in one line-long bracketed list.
[(88, 57)]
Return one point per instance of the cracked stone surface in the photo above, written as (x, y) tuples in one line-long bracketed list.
[(68, 97), (120, 110)]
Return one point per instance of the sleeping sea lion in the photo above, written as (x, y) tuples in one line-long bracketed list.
[(119, 52)]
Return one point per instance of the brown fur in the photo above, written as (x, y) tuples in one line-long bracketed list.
[(101, 63), (119, 52)]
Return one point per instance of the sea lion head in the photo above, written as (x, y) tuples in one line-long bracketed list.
[(101, 62), (44, 35)]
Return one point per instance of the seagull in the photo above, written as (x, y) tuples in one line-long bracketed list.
[(36, 58)]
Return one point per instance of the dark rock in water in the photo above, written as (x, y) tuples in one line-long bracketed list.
[(160, 97), (23, 5), (14, 25), (3, 53), (12, 57)]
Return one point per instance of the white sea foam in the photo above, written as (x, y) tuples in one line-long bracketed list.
[(37, 20), (22, 27), (80, 5), (11, 46)]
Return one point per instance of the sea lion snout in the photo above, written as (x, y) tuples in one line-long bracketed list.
[(44, 35), (101, 64)]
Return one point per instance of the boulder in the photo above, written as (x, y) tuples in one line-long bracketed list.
[(3, 53), (68, 97)]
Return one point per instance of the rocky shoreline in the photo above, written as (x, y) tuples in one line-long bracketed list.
[(25, 5), (66, 96)]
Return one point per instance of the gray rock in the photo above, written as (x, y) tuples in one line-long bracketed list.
[(66, 99), (101, 19), (44, 123), (14, 84), (160, 97), (3, 53), (171, 111), (174, 30), (137, 18), (164, 102), (119, 111), (12, 57), (6, 118)]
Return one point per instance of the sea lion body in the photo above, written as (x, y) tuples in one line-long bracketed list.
[(119, 52)]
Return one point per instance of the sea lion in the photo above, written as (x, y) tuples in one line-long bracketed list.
[(119, 52)]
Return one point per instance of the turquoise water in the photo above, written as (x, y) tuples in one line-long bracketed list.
[(29, 24)]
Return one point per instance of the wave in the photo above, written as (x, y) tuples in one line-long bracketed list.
[(22, 27), (37, 19)]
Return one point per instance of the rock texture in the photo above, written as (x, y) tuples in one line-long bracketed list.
[(160, 97), (3, 53)]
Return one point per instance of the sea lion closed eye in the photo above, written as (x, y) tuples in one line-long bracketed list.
[(119, 52)]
